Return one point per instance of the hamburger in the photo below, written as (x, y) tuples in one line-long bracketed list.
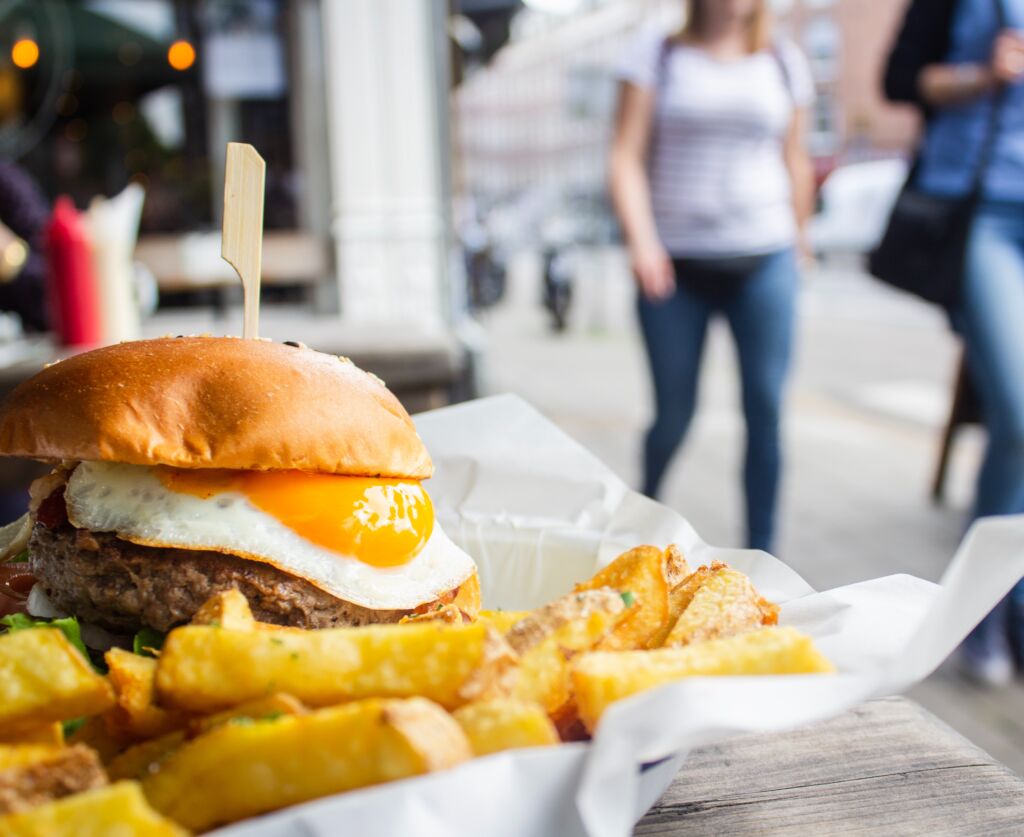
[(188, 466)]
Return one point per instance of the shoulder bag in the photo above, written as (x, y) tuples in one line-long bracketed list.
[(923, 248)]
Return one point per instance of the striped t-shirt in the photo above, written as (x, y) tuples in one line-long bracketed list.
[(719, 183)]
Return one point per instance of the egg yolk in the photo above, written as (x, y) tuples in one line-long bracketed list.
[(381, 522)]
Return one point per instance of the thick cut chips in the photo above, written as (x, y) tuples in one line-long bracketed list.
[(43, 678), (114, 810), (33, 775), (206, 669), (723, 604), (502, 620), (136, 715), (137, 760), (445, 614), (51, 734), (544, 667), (601, 678), (645, 577), (467, 599), (227, 609), (540, 624), (500, 724), (96, 733), (242, 769)]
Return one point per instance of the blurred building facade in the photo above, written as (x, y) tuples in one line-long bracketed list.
[(347, 101), (532, 127), (343, 98), (847, 43)]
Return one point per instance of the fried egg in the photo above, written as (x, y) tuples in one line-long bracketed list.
[(369, 541)]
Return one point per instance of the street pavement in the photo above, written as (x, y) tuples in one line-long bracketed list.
[(867, 402)]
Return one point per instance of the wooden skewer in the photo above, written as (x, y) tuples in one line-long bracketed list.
[(242, 232)]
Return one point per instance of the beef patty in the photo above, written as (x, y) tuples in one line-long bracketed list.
[(123, 587)]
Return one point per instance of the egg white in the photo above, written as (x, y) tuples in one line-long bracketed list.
[(131, 501)]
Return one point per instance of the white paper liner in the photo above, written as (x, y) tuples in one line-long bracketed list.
[(539, 513)]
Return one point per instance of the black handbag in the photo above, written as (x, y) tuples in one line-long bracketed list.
[(925, 242), (716, 279)]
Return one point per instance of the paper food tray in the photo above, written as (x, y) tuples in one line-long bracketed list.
[(539, 513)]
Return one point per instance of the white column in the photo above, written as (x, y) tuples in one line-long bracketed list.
[(389, 213)]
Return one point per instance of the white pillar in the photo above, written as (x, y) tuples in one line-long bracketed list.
[(386, 138)]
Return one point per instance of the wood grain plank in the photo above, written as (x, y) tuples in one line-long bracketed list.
[(975, 800), (887, 767)]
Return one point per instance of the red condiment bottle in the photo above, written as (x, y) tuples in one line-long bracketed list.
[(72, 290)]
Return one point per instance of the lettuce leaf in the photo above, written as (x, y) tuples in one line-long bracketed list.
[(148, 642), (68, 626)]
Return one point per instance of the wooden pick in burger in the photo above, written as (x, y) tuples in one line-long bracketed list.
[(242, 232)]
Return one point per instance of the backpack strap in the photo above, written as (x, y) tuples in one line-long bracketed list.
[(661, 68), (783, 65)]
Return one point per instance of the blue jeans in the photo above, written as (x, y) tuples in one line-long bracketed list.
[(990, 318), (760, 316)]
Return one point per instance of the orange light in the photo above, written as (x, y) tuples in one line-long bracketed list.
[(25, 53), (181, 55), (381, 522)]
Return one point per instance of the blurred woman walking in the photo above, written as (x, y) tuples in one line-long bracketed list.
[(962, 63), (712, 184)]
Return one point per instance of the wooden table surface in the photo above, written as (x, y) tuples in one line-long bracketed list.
[(888, 767)]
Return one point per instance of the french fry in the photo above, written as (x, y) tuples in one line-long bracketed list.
[(96, 734), (679, 599), (51, 734), (676, 568), (227, 609), (44, 679), (544, 668), (463, 608), (446, 614), (723, 604), (268, 707), (136, 761), (538, 625), (644, 575), (113, 810), (567, 722), (33, 775), (467, 598), (601, 678), (241, 770), (501, 724), (19, 755), (502, 620), (205, 669), (136, 715)]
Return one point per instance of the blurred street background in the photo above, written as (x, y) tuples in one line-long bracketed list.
[(437, 210)]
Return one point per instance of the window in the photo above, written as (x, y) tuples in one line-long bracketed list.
[(822, 42), (824, 133)]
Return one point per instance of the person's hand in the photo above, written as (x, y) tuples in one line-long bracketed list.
[(652, 268), (805, 257), (1008, 56)]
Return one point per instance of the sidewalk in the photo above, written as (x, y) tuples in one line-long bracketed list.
[(868, 398)]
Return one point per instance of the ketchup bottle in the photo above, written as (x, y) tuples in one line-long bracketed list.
[(72, 290)]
